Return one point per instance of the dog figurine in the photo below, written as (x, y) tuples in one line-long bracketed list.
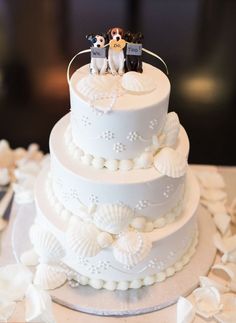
[(98, 63), (133, 62), (116, 51)]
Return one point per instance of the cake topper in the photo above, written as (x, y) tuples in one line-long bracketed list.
[(133, 61), (116, 50), (98, 63)]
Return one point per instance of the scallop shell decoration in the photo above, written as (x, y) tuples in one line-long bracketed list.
[(131, 248), (137, 82), (113, 218), (49, 276), (170, 162), (171, 129), (82, 239), (45, 244), (99, 86)]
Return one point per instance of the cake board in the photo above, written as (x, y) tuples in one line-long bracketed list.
[(133, 301)]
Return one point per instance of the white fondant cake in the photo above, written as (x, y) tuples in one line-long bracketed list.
[(118, 204)]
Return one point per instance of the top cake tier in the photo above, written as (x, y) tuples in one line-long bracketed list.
[(116, 117)]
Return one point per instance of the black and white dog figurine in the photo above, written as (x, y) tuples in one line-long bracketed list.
[(116, 57), (98, 65), (134, 62)]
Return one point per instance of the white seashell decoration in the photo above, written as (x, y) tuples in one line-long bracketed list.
[(82, 239), (208, 301), (170, 162), (113, 218), (137, 82), (38, 306), (131, 248), (170, 130), (104, 239), (99, 86), (45, 244), (185, 311), (49, 276)]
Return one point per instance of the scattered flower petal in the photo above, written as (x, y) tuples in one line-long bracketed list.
[(210, 179), (213, 194), (222, 222), (185, 311), (207, 282), (208, 301), (228, 314), (6, 310), (38, 306), (14, 281), (4, 176)]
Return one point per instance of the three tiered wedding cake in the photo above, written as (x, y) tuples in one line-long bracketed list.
[(117, 205)]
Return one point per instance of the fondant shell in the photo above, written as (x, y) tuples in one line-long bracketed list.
[(170, 162), (49, 276), (137, 82), (45, 244), (131, 248), (113, 218), (171, 129), (99, 86), (82, 239)]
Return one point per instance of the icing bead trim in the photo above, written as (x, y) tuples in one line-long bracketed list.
[(139, 222), (145, 160), (146, 281)]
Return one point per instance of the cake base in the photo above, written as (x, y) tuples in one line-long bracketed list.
[(131, 302)]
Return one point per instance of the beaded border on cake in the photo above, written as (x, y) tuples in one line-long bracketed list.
[(75, 278), (159, 223), (99, 162)]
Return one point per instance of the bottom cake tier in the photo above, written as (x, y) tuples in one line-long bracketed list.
[(170, 247)]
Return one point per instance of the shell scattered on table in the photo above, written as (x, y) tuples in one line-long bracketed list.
[(45, 244), (137, 82), (170, 162), (171, 130), (49, 276), (82, 239), (113, 218), (131, 248)]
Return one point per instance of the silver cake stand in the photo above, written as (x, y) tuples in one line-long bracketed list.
[(131, 302)]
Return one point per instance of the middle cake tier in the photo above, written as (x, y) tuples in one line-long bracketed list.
[(78, 187)]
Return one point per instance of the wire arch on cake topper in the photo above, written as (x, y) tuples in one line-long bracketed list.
[(89, 50)]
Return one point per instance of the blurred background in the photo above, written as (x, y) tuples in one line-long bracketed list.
[(196, 38)]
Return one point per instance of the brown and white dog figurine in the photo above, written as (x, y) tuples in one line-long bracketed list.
[(116, 50)]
